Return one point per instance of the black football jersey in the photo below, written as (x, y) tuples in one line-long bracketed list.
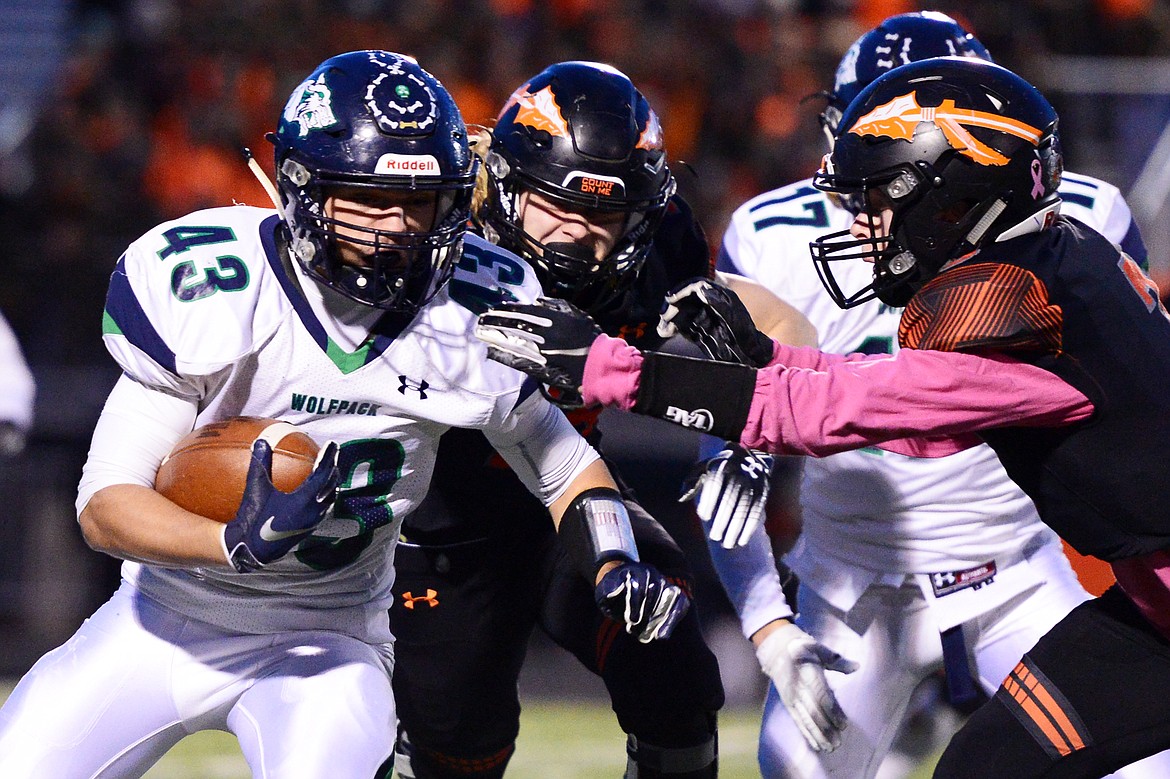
[(1065, 299)]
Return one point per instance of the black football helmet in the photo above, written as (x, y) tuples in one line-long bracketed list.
[(374, 119), (583, 136), (899, 40), (961, 151)]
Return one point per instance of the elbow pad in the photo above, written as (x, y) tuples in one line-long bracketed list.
[(711, 397), (596, 529)]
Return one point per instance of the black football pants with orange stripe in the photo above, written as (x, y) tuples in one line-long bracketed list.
[(1092, 696), (462, 617)]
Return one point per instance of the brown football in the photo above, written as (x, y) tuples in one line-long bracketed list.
[(206, 471)]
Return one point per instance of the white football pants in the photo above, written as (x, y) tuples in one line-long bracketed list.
[(891, 633), (137, 677)]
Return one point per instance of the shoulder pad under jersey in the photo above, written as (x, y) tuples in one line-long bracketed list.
[(487, 275), (194, 294), (777, 226), (1102, 207)]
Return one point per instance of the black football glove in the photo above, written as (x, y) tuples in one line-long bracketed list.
[(716, 320), (549, 340), (269, 523), (637, 596)]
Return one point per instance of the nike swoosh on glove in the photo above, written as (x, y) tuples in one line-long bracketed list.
[(639, 597), (731, 492), (796, 664), (269, 523)]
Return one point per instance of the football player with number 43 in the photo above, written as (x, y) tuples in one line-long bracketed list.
[(348, 312)]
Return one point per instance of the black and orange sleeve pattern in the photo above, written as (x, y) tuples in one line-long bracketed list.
[(983, 306)]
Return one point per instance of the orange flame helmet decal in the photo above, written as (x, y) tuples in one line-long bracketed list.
[(538, 110), (899, 119), (957, 152), (651, 136), (582, 136)]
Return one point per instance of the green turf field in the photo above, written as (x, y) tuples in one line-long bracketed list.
[(557, 741)]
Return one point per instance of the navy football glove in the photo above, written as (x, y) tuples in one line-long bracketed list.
[(716, 320), (269, 523), (639, 597), (731, 491), (549, 340)]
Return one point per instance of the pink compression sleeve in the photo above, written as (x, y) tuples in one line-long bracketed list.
[(833, 403)]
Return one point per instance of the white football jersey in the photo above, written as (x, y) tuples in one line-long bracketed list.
[(880, 514), (205, 308)]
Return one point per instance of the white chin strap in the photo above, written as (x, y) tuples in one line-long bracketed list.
[(1033, 224)]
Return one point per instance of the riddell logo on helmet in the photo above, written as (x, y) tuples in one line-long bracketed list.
[(899, 119), (407, 164), (588, 184)]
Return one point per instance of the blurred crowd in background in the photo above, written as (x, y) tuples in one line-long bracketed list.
[(141, 114), (153, 99)]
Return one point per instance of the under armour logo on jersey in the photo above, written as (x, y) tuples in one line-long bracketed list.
[(431, 599), (756, 466), (899, 119), (946, 582), (420, 387)]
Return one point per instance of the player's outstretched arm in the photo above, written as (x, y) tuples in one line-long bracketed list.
[(594, 526), (560, 345)]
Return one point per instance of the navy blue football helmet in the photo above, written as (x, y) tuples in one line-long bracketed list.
[(583, 136), (376, 120), (961, 152), (899, 40)]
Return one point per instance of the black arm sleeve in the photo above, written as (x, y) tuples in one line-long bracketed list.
[(711, 397), (596, 529)]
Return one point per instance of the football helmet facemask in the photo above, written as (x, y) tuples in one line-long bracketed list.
[(957, 152), (374, 120), (583, 137)]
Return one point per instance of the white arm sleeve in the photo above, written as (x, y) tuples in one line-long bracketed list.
[(749, 576), (138, 427), (543, 448)]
